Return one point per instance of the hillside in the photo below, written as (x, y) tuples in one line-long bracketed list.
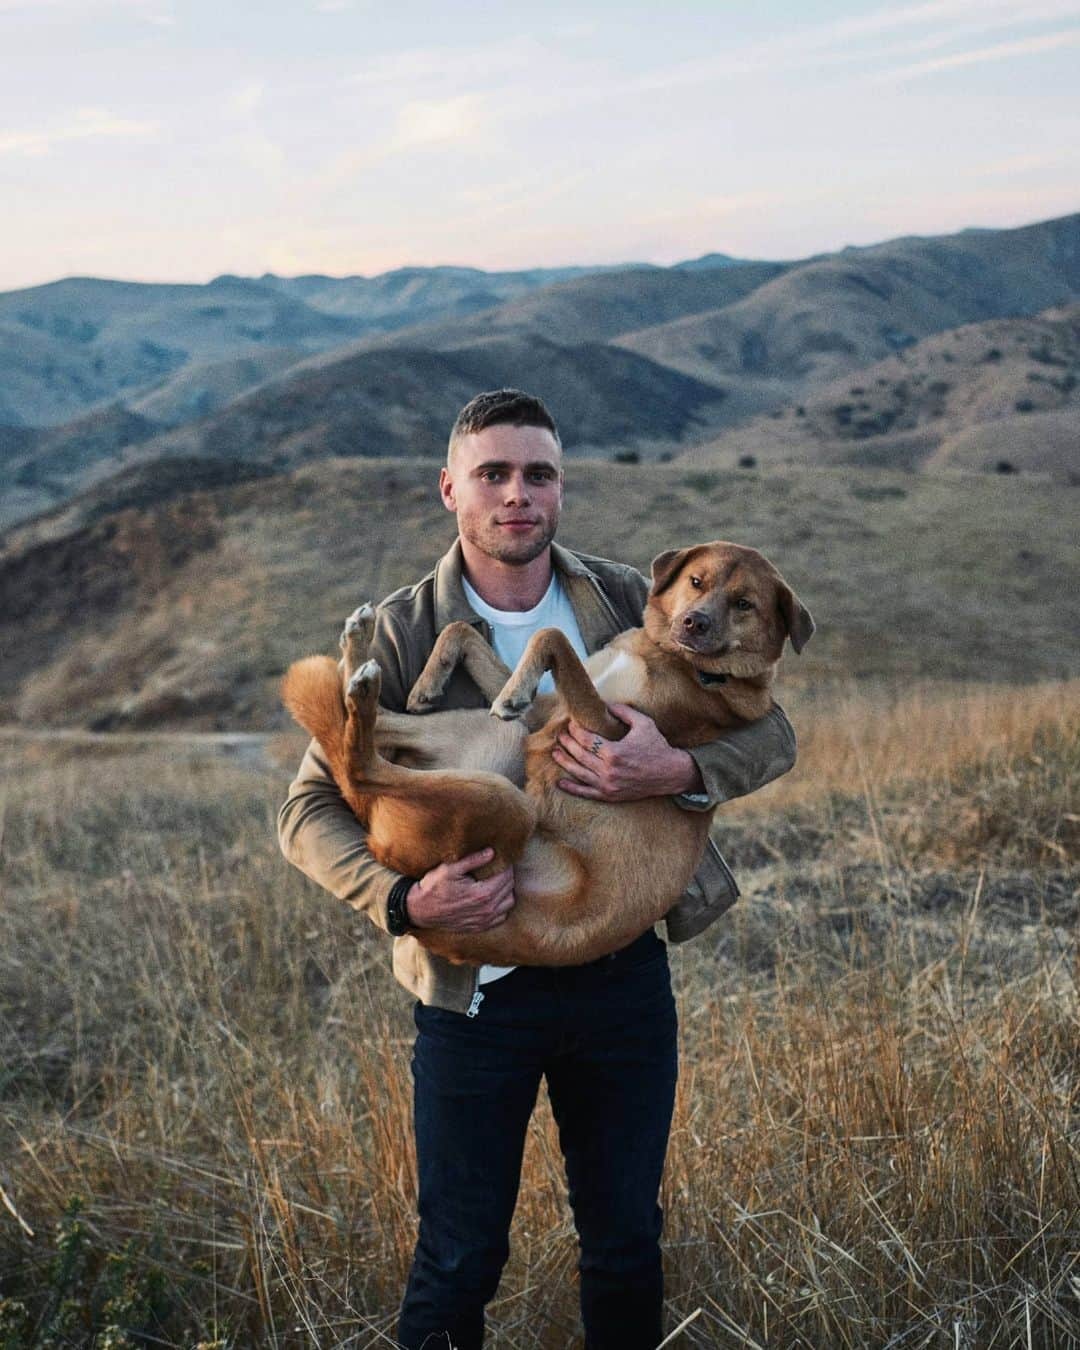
[(650, 359), (70, 345), (1002, 396), (74, 343), (402, 402), (185, 610), (837, 314)]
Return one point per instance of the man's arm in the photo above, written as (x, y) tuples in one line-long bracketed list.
[(318, 833), (643, 764)]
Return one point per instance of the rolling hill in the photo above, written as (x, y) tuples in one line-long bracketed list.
[(386, 401), (70, 345), (833, 315), (281, 370), (1002, 396), (163, 606)]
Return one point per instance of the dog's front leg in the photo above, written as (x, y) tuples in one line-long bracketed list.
[(550, 650), (458, 644)]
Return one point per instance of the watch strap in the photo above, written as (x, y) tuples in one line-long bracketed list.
[(397, 912)]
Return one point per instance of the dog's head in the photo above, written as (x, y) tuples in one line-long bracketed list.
[(724, 608)]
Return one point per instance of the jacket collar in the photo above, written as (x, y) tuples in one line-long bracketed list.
[(596, 618)]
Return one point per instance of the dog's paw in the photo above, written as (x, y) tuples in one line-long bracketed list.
[(359, 627), (419, 701), (510, 708), (365, 684)]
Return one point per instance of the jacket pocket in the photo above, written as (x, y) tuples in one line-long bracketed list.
[(712, 891)]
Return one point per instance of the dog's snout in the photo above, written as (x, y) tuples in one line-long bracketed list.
[(696, 623)]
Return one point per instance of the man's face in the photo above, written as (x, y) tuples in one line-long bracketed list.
[(505, 486)]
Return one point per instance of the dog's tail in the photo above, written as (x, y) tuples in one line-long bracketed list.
[(311, 690)]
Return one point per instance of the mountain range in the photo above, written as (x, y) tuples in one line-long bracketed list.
[(653, 361), (198, 483)]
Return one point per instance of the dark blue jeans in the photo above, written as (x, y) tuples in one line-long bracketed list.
[(604, 1035)]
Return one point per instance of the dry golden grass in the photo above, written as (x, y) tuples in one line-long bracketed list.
[(875, 1140), (874, 736)]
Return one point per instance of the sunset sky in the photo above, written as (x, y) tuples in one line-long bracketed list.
[(178, 139)]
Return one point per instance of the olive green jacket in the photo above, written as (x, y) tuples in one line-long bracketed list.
[(320, 835)]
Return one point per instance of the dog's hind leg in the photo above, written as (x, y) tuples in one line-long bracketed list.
[(356, 638), (361, 703), (550, 650), (459, 644)]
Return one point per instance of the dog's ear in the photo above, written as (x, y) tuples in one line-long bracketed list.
[(666, 567), (797, 618)]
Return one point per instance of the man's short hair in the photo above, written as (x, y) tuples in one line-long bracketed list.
[(498, 407)]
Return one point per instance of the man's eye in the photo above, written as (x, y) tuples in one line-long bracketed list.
[(491, 476)]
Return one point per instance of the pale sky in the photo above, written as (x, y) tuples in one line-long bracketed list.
[(172, 140)]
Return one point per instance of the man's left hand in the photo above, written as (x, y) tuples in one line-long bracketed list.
[(640, 765)]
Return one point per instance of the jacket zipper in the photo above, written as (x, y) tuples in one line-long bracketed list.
[(477, 996)]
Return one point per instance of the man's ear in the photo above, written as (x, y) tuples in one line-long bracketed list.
[(446, 489), (667, 566), (797, 618)]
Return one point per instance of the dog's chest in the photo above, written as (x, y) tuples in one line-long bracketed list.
[(619, 675)]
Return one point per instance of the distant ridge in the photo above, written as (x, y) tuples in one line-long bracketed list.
[(636, 360)]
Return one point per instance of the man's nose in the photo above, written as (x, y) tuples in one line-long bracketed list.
[(517, 490)]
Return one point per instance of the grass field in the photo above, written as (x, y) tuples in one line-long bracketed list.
[(204, 1081)]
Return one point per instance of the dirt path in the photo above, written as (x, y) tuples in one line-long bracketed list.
[(247, 746)]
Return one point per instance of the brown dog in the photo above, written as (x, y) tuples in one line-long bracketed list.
[(589, 876)]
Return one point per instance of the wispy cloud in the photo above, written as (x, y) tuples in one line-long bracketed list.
[(419, 125), (421, 65), (879, 36), (1001, 51), (426, 122), (86, 124), (245, 99), (149, 11), (939, 11)]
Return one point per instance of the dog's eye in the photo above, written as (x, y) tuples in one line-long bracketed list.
[(743, 604), (696, 583)]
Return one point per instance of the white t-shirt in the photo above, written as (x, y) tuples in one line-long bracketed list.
[(510, 633)]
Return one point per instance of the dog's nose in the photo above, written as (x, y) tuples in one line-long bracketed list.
[(697, 623)]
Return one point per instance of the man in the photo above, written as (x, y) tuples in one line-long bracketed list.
[(604, 1034)]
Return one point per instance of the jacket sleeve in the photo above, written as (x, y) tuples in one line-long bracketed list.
[(740, 761), (319, 834)]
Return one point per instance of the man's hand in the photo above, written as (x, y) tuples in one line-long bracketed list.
[(448, 897), (641, 765)]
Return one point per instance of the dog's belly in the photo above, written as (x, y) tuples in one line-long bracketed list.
[(619, 675), (466, 739)]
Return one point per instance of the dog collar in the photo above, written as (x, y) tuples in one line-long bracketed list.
[(707, 679)]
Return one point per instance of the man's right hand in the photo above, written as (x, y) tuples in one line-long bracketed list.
[(448, 897)]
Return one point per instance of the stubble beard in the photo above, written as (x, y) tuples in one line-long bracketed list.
[(516, 552)]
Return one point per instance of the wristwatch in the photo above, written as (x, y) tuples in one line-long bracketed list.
[(397, 912)]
